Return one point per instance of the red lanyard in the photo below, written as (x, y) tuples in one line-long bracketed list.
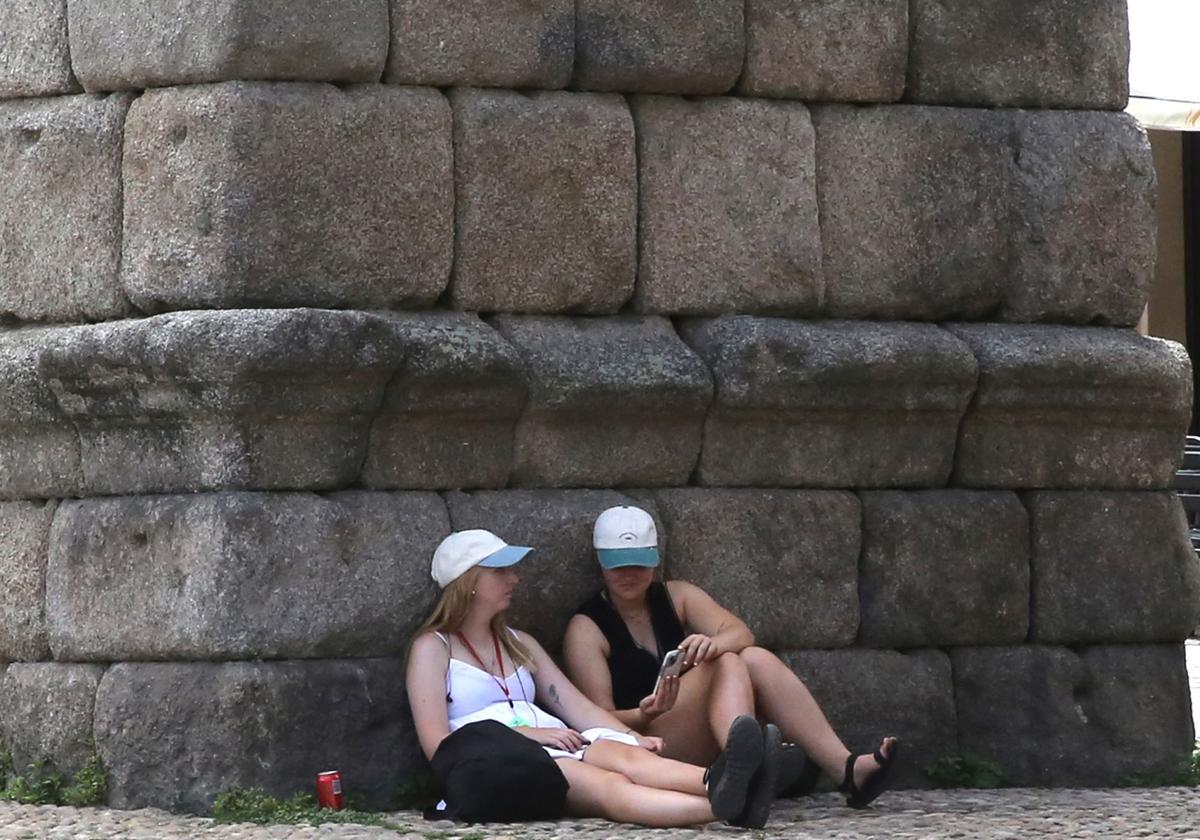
[(503, 683)]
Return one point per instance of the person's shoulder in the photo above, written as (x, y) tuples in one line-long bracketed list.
[(680, 589), (430, 643), (582, 627)]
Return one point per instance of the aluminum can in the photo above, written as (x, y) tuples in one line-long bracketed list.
[(329, 790)]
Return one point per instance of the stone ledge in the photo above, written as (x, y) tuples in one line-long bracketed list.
[(118, 45), (1090, 408), (830, 404), (241, 575), (173, 736)]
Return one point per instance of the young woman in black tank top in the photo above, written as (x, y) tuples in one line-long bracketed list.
[(615, 642)]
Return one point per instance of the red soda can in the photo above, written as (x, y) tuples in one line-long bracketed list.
[(329, 790)]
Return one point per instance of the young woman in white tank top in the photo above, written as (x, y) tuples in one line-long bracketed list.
[(467, 665)]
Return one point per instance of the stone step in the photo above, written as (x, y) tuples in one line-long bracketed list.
[(301, 575), (247, 194), (1031, 53), (224, 400), (174, 735)]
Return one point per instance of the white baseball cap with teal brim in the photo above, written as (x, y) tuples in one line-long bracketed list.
[(625, 536), (464, 550)]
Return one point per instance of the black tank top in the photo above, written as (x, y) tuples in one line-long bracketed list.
[(634, 669)]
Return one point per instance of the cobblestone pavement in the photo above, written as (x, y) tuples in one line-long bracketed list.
[(993, 815)]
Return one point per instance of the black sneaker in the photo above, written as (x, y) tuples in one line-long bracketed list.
[(766, 781), (798, 774), (728, 779)]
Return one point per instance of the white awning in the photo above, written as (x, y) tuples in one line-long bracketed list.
[(1164, 63)]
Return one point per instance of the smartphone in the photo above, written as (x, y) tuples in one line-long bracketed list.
[(672, 664)]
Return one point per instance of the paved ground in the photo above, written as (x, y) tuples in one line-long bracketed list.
[(992, 815)]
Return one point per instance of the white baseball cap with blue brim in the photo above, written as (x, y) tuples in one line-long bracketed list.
[(625, 536), (464, 550)]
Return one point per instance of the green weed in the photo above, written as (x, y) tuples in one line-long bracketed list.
[(1187, 774), (42, 784), (965, 771), (256, 806)]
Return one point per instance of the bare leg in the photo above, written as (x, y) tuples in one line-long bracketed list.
[(711, 695), (785, 700), (646, 768), (600, 793)]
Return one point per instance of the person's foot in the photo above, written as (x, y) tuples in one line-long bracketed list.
[(867, 765), (798, 774), (865, 776), (761, 795), (728, 779)]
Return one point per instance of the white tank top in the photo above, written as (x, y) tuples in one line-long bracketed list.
[(473, 694)]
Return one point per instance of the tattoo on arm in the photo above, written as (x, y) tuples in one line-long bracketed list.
[(553, 692)]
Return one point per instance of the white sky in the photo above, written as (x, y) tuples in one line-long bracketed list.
[(1164, 61)]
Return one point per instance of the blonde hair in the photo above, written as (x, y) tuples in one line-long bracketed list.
[(451, 611)]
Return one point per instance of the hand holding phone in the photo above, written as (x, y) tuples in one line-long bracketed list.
[(672, 666)]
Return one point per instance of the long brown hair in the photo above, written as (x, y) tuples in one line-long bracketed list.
[(451, 611)]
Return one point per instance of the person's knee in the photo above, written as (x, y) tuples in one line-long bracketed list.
[(729, 663), (756, 658)]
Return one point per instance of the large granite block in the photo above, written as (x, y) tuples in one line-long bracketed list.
[(570, 243), (826, 50), (868, 695), (39, 447), (831, 404), (659, 46), (24, 541), (612, 402), (562, 572), (46, 714), (449, 416), (241, 575), (60, 208), (1023, 53), (784, 561), (35, 58), (1048, 716), (259, 194), (244, 399), (118, 45), (727, 207), (914, 216), (1112, 568), (174, 735), (1083, 237), (482, 43), (943, 567), (1073, 407)]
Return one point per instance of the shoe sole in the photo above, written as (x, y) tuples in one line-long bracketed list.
[(743, 757), (762, 794)]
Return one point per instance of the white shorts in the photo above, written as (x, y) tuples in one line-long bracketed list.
[(598, 733)]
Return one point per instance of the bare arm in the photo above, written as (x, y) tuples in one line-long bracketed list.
[(585, 651), (426, 684), (561, 698), (704, 616)]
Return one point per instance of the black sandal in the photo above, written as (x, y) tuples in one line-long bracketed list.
[(875, 784)]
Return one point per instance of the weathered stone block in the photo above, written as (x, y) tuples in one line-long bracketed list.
[(562, 572), (831, 404), (784, 561), (728, 207), (60, 208), (47, 713), (1083, 408), (39, 448), (612, 402), (450, 413), (826, 50), (116, 45), (1112, 568), (659, 46), (24, 539), (1084, 229), (1026, 53), (258, 194), (914, 210), (35, 59), (482, 43), (222, 400), (241, 575), (570, 243), (1048, 716), (174, 735), (868, 695), (943, 567)]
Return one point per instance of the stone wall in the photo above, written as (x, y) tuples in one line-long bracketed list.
[(291, 290)]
